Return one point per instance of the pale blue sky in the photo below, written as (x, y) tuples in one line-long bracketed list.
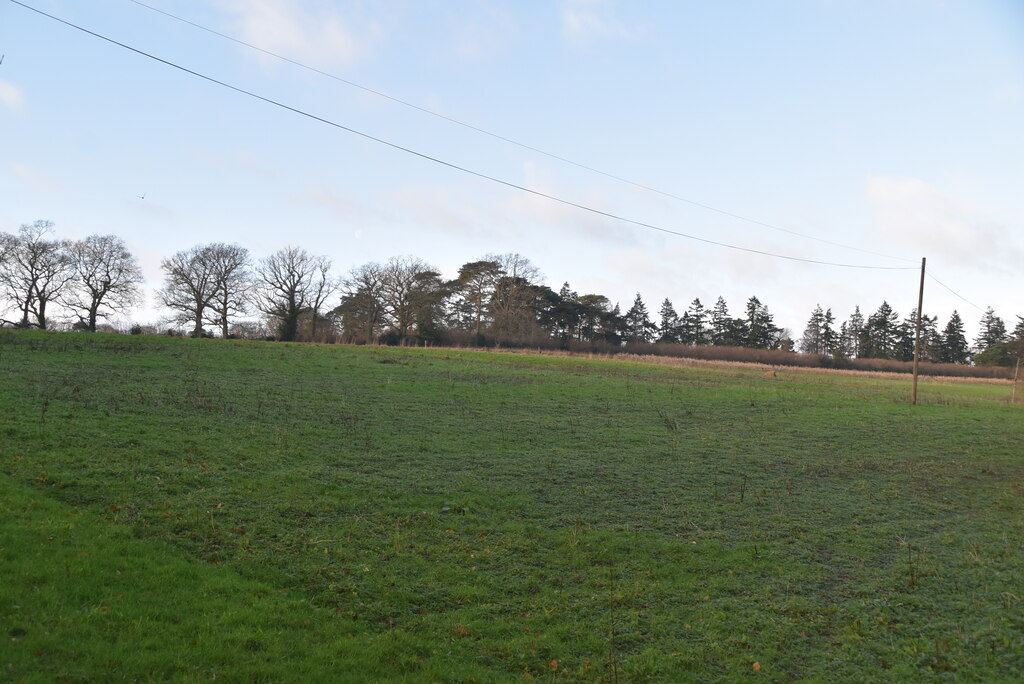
[(893, 126)]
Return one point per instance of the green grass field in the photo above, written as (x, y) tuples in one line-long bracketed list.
[(198, 509)]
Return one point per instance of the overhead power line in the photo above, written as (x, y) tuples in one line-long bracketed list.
[(512, 141), (954, 293), (451, 165)]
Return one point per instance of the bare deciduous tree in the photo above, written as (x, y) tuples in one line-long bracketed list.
[(362, 303), (513, 301), (402, 280), (290, 283), (34, 271), (189, 286), (232, 278), (6, 245), (322, 286), (107, 279)]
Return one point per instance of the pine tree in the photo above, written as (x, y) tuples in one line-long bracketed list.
[(811, 342), (931, 339), (829, 337), (881, 333), (721, 325), (564, 316), (612, 326), (992, 331), (844, 345), (762, 333), (852, 338), (639, 327), (670, 328), (906, 334), (695, 325), (593, 309), (954, 345)]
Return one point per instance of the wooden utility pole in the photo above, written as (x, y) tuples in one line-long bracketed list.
[(1016, 379), (917, 336)]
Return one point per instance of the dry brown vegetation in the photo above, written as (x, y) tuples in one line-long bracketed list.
[(766, 359)]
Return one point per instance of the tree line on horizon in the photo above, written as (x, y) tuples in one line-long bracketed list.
[(497, 300)]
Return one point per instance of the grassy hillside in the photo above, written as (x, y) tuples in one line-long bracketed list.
[(199, 508)]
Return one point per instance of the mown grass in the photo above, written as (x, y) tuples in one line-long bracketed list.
[(193, 509)]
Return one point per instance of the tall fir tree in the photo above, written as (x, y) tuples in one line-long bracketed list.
[(695, 325), (844, 345), (906, 333), (954, 342), (853, 337), (930, 338), (762, 333), (670, 329), (811, 341), (829, 336), (564, 315), (722, 329), (881, 334), (639, 327), (992, 331)]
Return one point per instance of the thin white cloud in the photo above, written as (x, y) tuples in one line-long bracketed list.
[(339, 206), (437, 210), (33, 179), (482, 36), (235, 160), (532, 209), (587, 20), (915, 213), (309, 31), (1008, 94), (506, 212), (11, 96), (153, 209)]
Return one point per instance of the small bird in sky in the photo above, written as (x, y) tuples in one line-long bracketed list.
[(142, 196), (2, 58)]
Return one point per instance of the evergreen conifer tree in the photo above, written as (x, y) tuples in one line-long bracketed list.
[(881, 334), (853, 338), (762, 333), (670, 328), (810, 341), (992, 331), (954, 342), (695, 328), (721, 325), (639, 327)]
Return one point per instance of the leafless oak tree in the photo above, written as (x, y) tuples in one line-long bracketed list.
[(232, 278), (362, 303), (107, 279), (6, 245), (289, 283), (34, 271), (189, 286), (402, 281), (514, 297)]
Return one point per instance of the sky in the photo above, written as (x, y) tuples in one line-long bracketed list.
[(867, 133)]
